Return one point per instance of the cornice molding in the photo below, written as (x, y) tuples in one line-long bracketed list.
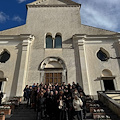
[(17, 37), (36, 6), (96, 37), (28, 40), (82, 39), (25, 39)]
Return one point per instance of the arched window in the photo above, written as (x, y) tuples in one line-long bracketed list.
[(4, 56), (58, 41), (49, 41), (103, 55), (106, 73)]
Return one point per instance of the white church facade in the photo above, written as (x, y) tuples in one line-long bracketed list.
[(53, 46)]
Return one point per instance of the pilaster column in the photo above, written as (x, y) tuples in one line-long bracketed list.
[(24, 63), (77, 62), (42, 76), (83, 63), (80, 62)]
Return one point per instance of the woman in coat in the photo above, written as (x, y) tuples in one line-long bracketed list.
[(77, 104)]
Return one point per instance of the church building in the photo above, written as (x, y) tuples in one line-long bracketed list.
[(54, 47)]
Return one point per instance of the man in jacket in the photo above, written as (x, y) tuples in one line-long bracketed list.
[(1, 96)]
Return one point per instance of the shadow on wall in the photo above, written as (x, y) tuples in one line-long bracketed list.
[(16, 71), (68, 43)]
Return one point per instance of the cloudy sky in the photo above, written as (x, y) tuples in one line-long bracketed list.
[(98, 13)]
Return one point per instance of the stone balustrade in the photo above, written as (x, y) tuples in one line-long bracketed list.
[(111, 103), (101, 117), (2, 117), (5, 109)]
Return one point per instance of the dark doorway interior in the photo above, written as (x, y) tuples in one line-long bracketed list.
[(109, 85), (0, 85)]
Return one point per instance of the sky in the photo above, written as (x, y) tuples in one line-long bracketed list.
[(97, 13)]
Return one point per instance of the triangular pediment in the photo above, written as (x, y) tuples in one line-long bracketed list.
[(53, 2)]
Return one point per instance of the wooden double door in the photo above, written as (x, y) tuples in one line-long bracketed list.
[(53, 78)]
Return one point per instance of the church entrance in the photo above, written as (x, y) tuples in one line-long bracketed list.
[(53, 70), (53, 78), (108, 85)]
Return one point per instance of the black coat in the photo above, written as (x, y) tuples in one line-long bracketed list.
[(50, 104), (83, 98), (1, 95), (28, 93), (41, 104)]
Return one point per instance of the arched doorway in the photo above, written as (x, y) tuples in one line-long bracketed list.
[(53, 70), (108, 78)]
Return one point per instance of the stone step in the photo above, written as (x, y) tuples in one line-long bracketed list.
[(26, 113), (22, 113), (20, 118)]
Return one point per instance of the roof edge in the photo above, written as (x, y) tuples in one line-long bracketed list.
[(60, 5), (99, 28)]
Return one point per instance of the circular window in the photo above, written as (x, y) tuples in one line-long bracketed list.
[(103, 55), (4, 56)]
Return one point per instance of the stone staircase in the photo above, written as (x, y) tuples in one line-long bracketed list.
[(107, 112), (22, 113)]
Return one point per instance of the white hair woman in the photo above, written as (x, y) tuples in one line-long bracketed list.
[(77, 104)]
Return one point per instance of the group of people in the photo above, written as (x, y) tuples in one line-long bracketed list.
[(56, 102)]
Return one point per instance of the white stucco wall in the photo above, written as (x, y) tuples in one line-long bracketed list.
[(65, 20), (11, 67), (43, 20), (96, 66)]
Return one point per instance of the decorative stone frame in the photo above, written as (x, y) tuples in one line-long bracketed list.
[(104, 51), (109, 77), (53, 40), (41, 68), (5, 50)]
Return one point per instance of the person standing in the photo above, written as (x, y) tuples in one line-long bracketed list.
[(41, 106), (83, 98), (56, 110), (33, 85), (50, 105), (29, 92), (75, 93), (69, 105), (1, 96), (77, 104), (62, 108), (25, 92)]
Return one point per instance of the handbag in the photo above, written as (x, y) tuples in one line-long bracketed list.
[(80, 103), (60, 107)]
